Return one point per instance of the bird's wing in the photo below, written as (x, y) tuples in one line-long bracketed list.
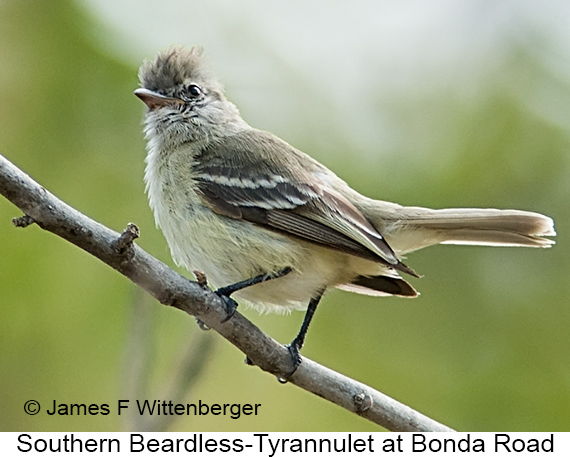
[(272, 194)]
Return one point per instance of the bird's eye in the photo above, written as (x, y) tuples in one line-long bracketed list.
[(194, 90)]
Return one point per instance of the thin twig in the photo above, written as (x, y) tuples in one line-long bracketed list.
[(183, 375), (137, 365), (172, 289), (125, 241)]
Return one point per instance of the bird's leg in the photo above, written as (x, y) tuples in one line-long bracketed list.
[(225, 292), (296, 345)]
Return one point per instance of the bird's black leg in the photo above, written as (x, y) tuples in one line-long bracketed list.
[(296, 345), (225, 292)]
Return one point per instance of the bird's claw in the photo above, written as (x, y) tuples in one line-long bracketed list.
[(294, 351), (230, 304)]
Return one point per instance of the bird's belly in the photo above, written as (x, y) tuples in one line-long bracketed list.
[(228, 251)]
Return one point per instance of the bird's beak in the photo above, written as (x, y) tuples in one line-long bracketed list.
[(155, 100)]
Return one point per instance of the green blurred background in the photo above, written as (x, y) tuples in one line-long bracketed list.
[(424, 103)]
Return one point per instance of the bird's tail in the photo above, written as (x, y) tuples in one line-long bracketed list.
[(407, 229)]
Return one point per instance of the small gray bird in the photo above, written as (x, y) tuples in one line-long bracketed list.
[(268, 223)]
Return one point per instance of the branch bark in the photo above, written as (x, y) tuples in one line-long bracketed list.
[(172, 289)]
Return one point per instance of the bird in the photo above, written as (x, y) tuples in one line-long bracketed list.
[(269, 226)]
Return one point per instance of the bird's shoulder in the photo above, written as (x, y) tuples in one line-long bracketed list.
[(253, 153)]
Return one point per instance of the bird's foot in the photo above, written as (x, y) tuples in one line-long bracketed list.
[(295, 351), (229, 303)]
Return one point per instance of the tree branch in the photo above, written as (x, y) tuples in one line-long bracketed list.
[(172, 289)]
